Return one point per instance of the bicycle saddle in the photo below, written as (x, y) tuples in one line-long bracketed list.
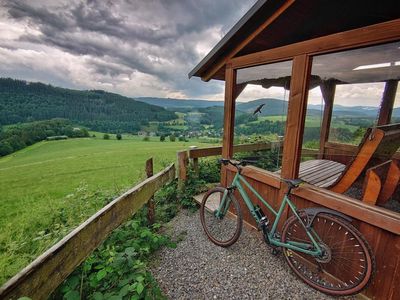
[(293, 183)]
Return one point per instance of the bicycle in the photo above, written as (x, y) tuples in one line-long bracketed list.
[(319, 244)]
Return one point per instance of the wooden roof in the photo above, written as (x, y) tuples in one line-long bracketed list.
[(275, 23)]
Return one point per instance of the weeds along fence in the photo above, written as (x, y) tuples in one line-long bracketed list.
[(40, 278)]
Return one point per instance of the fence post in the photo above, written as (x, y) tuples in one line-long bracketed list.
[(195, 162), (182, 168), (150, 204)]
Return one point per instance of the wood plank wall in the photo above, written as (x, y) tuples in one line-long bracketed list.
[(385, 244)]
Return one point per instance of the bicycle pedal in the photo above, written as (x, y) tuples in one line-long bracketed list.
[(275, 251)]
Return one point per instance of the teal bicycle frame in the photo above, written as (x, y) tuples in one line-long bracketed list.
[(312, 249)]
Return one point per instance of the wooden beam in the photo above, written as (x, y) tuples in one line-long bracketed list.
[(229, 112), (296, 116), (39, 279), (389, 95), (214, 151), (220, 64), (378, 33), (328, 93), (229, 118)]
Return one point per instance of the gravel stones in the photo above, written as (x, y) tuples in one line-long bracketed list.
[(198, 269)]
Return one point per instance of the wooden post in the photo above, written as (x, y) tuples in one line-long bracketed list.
[(328, 89), (296, 116), (229, 117), (295, 120), (182, 168), (195, 163), (150, 204), (389, 94)]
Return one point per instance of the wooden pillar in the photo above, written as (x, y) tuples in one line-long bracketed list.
[(389, 94), (328, 89), (296, 116), (150, 204), (229, 111), (229, 117)]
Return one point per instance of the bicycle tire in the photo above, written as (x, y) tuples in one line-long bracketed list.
[(348, 264), (229, 225)]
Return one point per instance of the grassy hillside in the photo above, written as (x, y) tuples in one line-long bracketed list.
[(50, 187), (22, 101)]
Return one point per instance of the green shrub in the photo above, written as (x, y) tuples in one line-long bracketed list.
[(146, 138), (162, 138), (172, 137), (119, 136), (106, 136)]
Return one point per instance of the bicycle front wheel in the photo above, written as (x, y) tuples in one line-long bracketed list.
[(222, 223), (347, 263)]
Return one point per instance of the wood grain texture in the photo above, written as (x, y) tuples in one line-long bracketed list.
[(229, 112), (378, 33), (389, 95), (390, 184), (220, 64), (328, 89), (296, 117), (45, 273), (150, 204)]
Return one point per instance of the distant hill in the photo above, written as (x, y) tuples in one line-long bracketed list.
[(272, 106), (179, 103), (22, 101)]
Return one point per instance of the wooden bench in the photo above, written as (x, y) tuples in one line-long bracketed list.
[(381, 182)]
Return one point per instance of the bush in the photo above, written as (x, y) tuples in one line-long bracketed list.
[(209, 170), (106, 136), (146, 138), (181, 138), (172, 137), (5, 148), (119, 136), (162, 138)]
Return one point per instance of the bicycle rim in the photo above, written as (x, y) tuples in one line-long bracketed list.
[(347, 264), (221, 230)]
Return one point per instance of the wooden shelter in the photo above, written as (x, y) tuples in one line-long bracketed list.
[(301, 44)]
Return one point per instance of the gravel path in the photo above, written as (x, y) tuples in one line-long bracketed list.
[(198, 269)]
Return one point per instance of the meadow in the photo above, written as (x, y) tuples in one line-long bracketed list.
[(49, 188)]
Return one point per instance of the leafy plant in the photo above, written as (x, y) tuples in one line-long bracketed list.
[(118, 268)]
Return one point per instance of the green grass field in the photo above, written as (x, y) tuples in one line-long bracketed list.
[(49, 188)]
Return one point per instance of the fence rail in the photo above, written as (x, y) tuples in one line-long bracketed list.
[(40, 278)]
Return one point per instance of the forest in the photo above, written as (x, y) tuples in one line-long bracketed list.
[(16, 137), (22, 101)]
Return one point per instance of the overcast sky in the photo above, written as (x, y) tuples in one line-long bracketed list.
[(132, 47)]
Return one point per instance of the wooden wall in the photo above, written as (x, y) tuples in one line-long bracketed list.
[(383, 234)]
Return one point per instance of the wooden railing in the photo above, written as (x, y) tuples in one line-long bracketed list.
[(193, 155), (40, 278)]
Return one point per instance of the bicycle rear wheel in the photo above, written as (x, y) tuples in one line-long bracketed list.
[(223, 230), (347, 264)]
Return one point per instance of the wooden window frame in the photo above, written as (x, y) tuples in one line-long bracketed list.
[(301, 54)]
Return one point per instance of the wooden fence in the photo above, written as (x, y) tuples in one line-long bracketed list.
[(39, 279), (195, 153)]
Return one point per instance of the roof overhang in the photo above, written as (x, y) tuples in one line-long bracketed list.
[(271, 24)]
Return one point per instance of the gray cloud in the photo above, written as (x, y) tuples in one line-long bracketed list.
[(133, 46)]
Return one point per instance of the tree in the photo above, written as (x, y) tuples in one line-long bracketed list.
[(5, 148), (162, 138), (119, 136), (106, 136), (172, 137)]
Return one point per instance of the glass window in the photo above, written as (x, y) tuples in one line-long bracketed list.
[(358, 85), (261, 110)]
